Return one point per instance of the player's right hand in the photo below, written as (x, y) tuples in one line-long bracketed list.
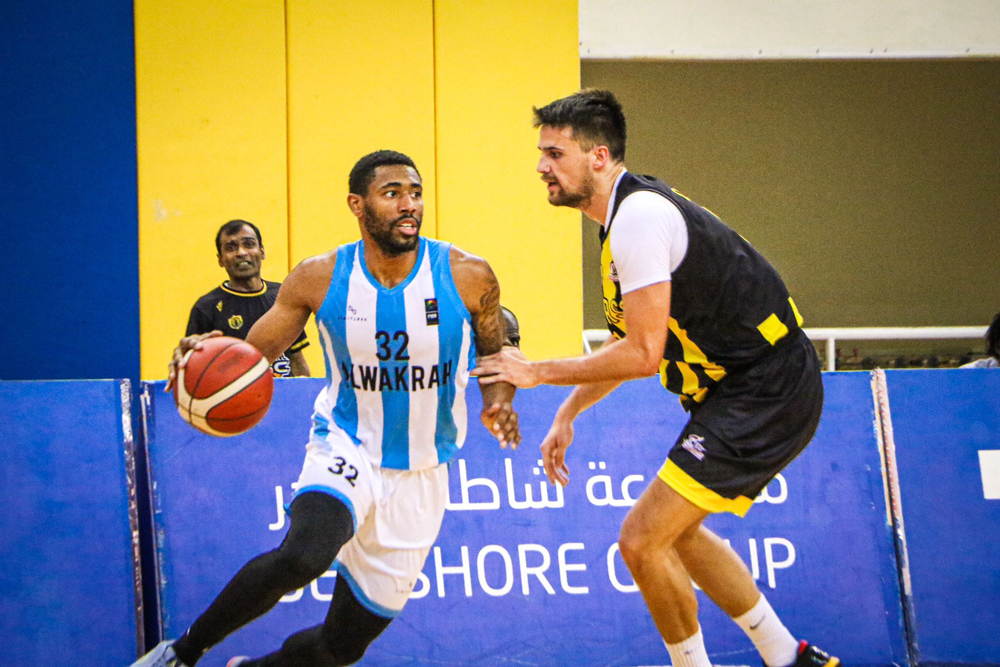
[(501, 420), (559, 437), (187, 343)]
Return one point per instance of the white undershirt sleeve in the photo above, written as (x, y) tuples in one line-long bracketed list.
[(649, 239)]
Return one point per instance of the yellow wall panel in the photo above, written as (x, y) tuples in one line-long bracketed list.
[(494, 60), (210, 97), (259, 109), (360, 79)]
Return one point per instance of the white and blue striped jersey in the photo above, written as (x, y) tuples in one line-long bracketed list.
[(397, 361)]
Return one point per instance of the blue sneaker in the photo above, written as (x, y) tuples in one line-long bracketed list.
[(161, 656)]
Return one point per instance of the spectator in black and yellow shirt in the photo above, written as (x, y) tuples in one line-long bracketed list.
[(239, 302)]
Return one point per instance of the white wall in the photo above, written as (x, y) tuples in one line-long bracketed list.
[(731, 29)]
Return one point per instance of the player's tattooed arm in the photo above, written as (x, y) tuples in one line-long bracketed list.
[(480, 291), (491, 329)]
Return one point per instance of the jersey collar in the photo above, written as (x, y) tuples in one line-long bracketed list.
[(611, 201), (360, 258), (226, 289)]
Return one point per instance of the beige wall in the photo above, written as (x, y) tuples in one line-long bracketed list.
[(871, 185), (754, 29)]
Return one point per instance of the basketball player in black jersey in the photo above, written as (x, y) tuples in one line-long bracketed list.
[(689, 298)]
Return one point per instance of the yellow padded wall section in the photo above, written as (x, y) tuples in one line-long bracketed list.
[(210, 97), (494, 60), (360, 79)]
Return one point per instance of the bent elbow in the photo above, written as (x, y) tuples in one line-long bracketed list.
[(644, 360), (651, 365)]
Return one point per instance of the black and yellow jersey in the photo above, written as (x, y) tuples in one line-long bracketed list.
[(234, 313), (728, 307)]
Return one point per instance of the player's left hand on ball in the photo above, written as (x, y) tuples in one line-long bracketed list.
[(501, 420), (187, 343)]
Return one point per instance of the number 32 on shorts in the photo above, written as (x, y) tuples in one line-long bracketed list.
[(342, 467)]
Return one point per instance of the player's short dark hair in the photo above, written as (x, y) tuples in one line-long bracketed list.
[(363, 172), (232, 227), (595, 116), (993, 337)]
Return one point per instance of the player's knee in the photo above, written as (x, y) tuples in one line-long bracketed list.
[(632, 544), (639, 544), (302, 565)]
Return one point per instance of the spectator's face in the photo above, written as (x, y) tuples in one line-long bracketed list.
[(241, 254)]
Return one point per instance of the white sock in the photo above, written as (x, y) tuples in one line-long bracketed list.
[(774, 642), (690, 652)]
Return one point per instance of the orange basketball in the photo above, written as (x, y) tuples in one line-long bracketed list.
[(225, 387)]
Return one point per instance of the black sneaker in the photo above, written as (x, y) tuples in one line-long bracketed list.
[(810, 656)]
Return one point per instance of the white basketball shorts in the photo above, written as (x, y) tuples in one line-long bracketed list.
[(397, 517)]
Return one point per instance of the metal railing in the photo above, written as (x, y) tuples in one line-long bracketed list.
[(832, 335)]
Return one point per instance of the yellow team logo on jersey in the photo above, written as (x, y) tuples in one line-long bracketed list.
[(612, 293), (613, 313), (236, 322), (218, 306)]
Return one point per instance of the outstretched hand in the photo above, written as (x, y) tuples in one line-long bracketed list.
[(178, 361), (507, 365), (554, 446)]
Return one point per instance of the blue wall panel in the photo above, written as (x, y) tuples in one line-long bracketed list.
[(69, 258), (942, 419), (66, 573), (821, 547)]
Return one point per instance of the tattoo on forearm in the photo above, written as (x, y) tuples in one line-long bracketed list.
[(491, 331)]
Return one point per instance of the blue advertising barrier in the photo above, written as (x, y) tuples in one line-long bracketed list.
[(947, 442), (524, 571), (66, 570)]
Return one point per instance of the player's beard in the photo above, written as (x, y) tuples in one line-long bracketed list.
[(381, 231), (578, 199)]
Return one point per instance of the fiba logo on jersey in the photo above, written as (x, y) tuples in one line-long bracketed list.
[(431, 308)]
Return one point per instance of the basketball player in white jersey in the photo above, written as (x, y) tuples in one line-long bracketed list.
[(401, 320)]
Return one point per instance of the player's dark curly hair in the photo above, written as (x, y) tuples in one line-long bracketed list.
[(363, 172), (232, 227), (596, 117), (993, 337)]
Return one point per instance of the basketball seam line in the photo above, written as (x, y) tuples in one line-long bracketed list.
[(262, 366)]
